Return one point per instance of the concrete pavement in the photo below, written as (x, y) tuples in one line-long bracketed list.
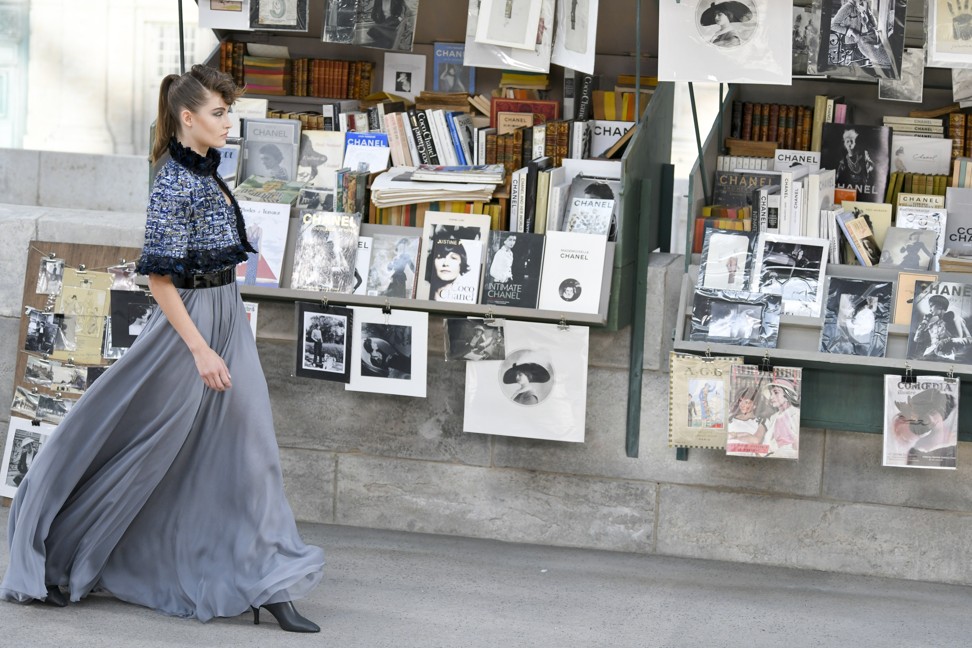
[(401, 590)]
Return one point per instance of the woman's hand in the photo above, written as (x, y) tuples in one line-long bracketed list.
[(212, 369)]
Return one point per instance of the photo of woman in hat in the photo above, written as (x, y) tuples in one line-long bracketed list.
[(781, 429), (941, 334), (734, 22), (28, 450), (529, 377), (924, 432)]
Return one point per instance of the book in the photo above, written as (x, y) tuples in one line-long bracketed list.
[(958, 229), (920, 200), (326, 251), (366, 151), (940, 317), (533, 167), (820, 196), (698, 400), (462, 128), (267, 225), (573, 266), (921, 422), (763, 412), (926, 218), (860, 156), (321, 154), (856, 317), (920, 154), (860, 237), (542, 110), (877, 215), (362, 265), (605, 134), (230, 161), (734, 188), (908, 248), (785, 158), (448, 72), (482, 173), (393, 262), (454, 226), (512, 270), (271, 148), (507, 122), (268, 190), (454, 268), (905, 295), (587, 200)]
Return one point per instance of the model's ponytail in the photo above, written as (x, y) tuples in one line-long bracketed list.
[(165, 122)]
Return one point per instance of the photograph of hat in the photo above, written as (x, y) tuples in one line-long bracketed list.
[(534, 372), (784, 384), (919, 406)]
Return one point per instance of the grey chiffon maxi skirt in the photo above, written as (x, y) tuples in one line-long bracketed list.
[(161, 491)]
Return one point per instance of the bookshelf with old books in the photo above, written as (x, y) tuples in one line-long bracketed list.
[(839, 391), (325, 72)]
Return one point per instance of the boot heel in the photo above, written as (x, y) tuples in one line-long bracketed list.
[(256, 615)]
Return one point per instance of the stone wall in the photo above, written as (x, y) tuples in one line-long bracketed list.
[(404, 463)]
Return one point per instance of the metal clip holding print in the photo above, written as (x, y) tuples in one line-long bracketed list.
[(909, 377)]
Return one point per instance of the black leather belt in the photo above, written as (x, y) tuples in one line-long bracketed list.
[(206, 280)]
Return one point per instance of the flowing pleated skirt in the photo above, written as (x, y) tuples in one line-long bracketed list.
[(161, 491)]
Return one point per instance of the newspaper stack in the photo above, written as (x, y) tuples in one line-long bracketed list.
[(392, 189)]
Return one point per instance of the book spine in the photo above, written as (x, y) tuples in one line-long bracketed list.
[(735, 120), (585, 85), (514, 201), (489, 152), (746, 132), (425, 132), (420, 145), (772, 134), (956, 131)]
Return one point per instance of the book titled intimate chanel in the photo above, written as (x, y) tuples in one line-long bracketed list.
[(573, 265), (513, 264)]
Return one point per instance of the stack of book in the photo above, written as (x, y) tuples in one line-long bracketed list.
[(787, 125), (266, 75), (395, 187)]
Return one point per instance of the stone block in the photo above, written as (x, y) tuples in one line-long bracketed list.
[(309, 483), (321, 415), (9, 337), (853, 472), (603, 452), (511, 505), (19, 176), (125, 229), (275, 319), (895, 542), (95, 182), (19, 227)]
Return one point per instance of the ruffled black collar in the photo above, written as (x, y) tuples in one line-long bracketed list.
[(205, 166)]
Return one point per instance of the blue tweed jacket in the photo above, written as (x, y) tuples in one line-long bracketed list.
[(189, 227)]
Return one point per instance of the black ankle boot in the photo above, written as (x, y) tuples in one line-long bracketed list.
[(55, 597), (287, 616)]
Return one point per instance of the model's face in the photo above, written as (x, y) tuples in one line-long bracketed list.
[(745, 406), (937, 310), (568, 292), (207, 127), (721, 18), (777, 397), (510, 242), (447, 267), (377, 358), (522, 378), (849, 143)]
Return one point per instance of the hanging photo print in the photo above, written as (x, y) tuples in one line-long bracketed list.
[(735, 317), (25, 402), (697, 397), (764, 412), (948, 26), (389, 352), (575, 35), (860, 39), (225, 14), (386, 24), (856, 317), (278, 15), (537, 59), (911, 85), (324, 342), (123, 276), (24, 440), (539, 391), (41, 332), (474, 338), (921, 421), (49, 276), (130, 312), (743, 41)]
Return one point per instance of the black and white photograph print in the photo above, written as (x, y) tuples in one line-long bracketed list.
[(792, 267), (49, 276), (908, 249), (39, 371), (570, 289), (25, 402), (736, 317), (323, 342), (289, 15), (474, 338), (384, 24), (108, 350), (539, 391), (130, 312), (339, 21), (856, 317), (861, 39), (575, 35), (912, 82), (403, 74), (393, 260), (93, 374), (742, 41), (509, 23), (53, 409), (949, 33), (389, 352), (68, 378), (861, 157), (42, 331), (123, 276), (726, 259), (940, 319), (24, 441), (806, 35)]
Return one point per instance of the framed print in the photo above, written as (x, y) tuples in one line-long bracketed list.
[(856, 317), (474, 338), (741, 41), (324, 342), (726, 259), (24, 441), (225, 14), (508, 23), (389, 352), (539, 391), (949, 35), (792, 267), (736, 317), (278, 15)]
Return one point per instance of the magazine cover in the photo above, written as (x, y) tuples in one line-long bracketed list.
[(921, 421), (321, 154), (455, 266), (510, 58), (741, 41), (513, 264), (474, 338), (25, 439), (270, 148), (860, 156), (230, 160), (764, 412), (698, 399), (324, 342), (910, 87), (905, 295), (792, 267), (573, 267), (856, 317), (449, 74), (593, 206), (326, 252), (926, 218), (940, 317), (860, 39), (908, 249), (389, 352), (366, 151), (726, 261), (393, 262), (471, 227), (266, 229), (539, 391), (735, 317)]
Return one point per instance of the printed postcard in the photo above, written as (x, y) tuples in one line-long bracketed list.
[(698, 395), (764, 412)]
